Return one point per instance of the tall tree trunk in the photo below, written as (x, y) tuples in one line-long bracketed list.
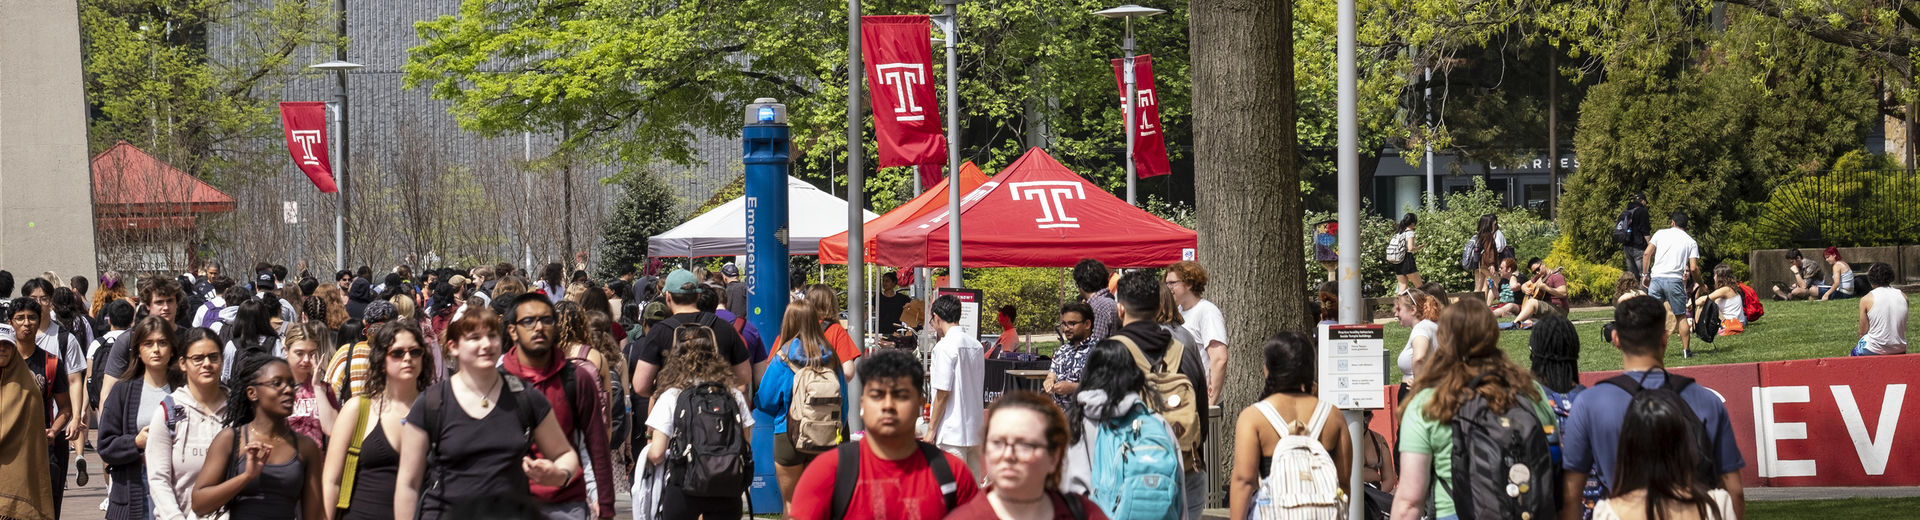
[(1247, 186)]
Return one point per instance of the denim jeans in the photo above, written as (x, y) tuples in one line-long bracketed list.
[(1196, 493)]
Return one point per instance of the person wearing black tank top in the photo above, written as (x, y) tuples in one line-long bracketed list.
[(472, 424), (265, 471), (398, 364)]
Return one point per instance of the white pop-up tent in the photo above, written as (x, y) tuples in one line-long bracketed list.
[(811, 215)]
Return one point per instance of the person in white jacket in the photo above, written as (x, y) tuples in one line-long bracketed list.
[(177, 438)]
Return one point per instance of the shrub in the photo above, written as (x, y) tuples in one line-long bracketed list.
[(1585, 280), (1442, 235)]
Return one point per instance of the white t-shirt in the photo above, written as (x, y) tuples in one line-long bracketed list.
[(1207, 325), (1425, 329), (661, 416), (75, 355), (1672, 248), (959, 368)]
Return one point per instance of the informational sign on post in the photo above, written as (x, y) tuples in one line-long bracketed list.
[(970, 301), (1353, 366)]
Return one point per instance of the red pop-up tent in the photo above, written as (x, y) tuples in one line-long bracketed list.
[(833, 249), (1037, 213)]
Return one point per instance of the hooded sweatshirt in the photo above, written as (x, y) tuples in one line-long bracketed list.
[(1076, 476), (26, 487), (358, 296), (175, 455), (1154, 340)]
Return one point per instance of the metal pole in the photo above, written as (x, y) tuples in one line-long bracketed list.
[(346, 157), (1427, 96), (953, 144), (1126, 46), (856, 243), (919, 274), (1349, 165), (1553, 133)]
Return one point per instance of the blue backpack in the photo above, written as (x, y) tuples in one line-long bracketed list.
[(1137, 476)]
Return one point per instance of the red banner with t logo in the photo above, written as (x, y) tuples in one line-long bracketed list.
[(1149, 146), (306, 131), (906, 116)]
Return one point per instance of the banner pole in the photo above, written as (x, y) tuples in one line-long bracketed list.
[(952, 27)]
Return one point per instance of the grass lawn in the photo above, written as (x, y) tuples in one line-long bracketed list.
[(1827, 509), (1790, 330)]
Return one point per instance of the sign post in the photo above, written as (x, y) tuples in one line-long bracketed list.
[(970, 301), (1352, 372)]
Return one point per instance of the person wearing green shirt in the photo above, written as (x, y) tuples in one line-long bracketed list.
[(1468, 346)]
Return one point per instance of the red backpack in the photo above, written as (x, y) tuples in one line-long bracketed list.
[(1752, 300)]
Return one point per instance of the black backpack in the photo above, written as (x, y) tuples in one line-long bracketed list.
[(847, 476), (1709, 464), (102, 348), (709, 455), (1623, 228), (1501, 462)]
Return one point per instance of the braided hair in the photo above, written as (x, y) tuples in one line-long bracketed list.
[(239, 406), (1555, 357)]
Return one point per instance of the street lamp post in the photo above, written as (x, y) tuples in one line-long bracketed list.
[(1128, 12), (950, 24), (340, 68)]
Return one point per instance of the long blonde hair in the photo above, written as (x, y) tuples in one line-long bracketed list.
[(800, 323)]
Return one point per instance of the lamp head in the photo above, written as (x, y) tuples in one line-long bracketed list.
[(1129, 11)]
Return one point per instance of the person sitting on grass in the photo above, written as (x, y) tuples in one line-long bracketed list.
[(1546, 293), (1505, 303), (1626, 287), (1806, 275), (1726, 293), (1883, 316), (1842, 287)]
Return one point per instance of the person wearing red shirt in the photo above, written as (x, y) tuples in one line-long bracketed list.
[(1026, 442), (892, 475), (534, 329)]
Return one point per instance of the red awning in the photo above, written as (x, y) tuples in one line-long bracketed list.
[(833, 249), (1037, 213)]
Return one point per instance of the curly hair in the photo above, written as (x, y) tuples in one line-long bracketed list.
[(695, 359), (1468, 346), (1192, 273), (1424, 305), (382, 341), (598, 323), (571, 327)]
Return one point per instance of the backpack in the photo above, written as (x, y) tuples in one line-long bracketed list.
[(1708, 466), (813, 417), (102, 348), (1178, 406), (1139, 468), (1397, 248), (709, 455), (1623, 228), (847, 476), (1502, 465), (212, 314), (1706, 321), (1751, 300), (435, 408), (1301, 483), (619, 406), (1470, 255)]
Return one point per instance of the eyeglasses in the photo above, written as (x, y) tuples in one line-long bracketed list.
[(415, 353), (536, 320), (1065, 323), (1171, 283), (1019, 450), (282, 384), (203, 359)]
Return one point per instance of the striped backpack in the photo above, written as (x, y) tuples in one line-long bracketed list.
[(1302, 482)]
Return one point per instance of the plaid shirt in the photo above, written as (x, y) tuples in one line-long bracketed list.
[(1068, 361), (1106, 316)]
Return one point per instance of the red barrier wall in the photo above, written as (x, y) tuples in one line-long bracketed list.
[(1815, 422)]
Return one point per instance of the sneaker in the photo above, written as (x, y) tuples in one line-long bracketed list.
[(103, 504), (1686, 353), (80, 470)]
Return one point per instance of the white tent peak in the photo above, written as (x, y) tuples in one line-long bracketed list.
[(811, 215)]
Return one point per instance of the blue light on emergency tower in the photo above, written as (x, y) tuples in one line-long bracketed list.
[(766, 140)]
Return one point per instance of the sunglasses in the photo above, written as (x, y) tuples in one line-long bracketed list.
[(416, 353)]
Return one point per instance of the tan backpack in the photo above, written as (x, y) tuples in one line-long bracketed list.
[(1177, 403), (813, 417)]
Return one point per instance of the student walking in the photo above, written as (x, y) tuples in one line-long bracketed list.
[(125, 420), (1400, 254), (314, 404), (958, 368), (50, 373), (1113, 414), (802, 351), (26, 491), (1027, 439), (1673, 258), (1468, 385), (1176, 371), (887, 475), (185, 425), (700, 428), (1187, 281), (371, 423), (467, 438), (579, 407), (1658, 446), (264, 470), (1289, 409), (1591, 439)]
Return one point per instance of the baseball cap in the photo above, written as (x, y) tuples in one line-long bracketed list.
[(730, 270), (6, 335), (681, 281), (655, 311), (264, 279)]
